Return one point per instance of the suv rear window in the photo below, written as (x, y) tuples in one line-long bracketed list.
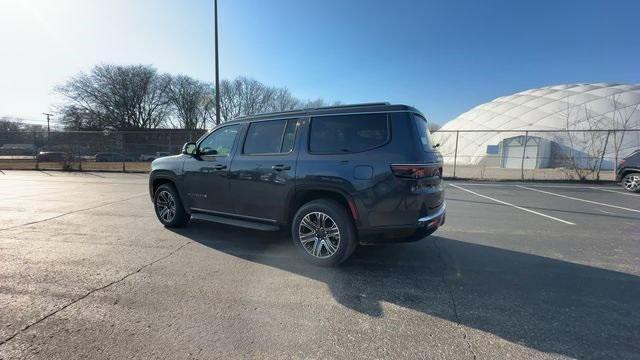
[(348, 133), (423, 132)]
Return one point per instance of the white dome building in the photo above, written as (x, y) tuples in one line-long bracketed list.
[(547, 113)]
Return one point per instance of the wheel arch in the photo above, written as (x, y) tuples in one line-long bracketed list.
[(307, 194), (629, 170), (160, 177)]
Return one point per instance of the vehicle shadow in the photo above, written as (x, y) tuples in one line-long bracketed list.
[(546, 304)]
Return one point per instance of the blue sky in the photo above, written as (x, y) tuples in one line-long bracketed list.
[(443, 57)]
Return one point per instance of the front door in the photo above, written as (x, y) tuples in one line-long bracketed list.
[(206, 175), (262, 175)]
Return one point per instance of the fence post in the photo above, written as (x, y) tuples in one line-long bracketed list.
[(524, 152), (606, 142), (455, 154)]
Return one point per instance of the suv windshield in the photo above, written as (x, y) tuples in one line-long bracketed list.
[(423, 130)]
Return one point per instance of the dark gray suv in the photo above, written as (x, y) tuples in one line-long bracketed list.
[(335, 176)]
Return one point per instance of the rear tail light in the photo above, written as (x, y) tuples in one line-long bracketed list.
[(417, 171)]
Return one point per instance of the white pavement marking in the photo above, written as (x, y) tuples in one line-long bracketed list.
[(607, 212), (609, 188), (512, 205), (614, 191), (578, 199)]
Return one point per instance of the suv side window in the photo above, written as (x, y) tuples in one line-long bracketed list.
[(270, 137), (219, 142), (348, 133)]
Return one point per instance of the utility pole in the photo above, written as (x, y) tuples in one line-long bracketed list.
[(215, 16), (48, 123)]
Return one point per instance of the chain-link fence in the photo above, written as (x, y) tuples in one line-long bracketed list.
[(535, 154), (468, 154), (90, 150)]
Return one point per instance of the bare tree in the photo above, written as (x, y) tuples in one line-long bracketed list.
[(586, 141), (282, 100), (190, 101), (77, 118), (245, 96), (9, 124), (624, 117), (137, 97), (13, 124), (117, 97)]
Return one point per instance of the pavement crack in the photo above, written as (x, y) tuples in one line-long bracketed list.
[(71, 212), (449, 291), (75, 301)]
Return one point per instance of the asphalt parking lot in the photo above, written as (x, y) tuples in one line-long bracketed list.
[(518, 271)]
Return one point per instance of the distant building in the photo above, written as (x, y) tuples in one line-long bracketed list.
[(574, 107)]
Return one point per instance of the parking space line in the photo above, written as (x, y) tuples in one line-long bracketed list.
[(609, 188), (614, 191), (578, 199), (512, 205)]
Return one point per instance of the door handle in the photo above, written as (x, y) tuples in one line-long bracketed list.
[(281, 167), (219, 167)]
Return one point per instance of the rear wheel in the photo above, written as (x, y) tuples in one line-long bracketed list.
[(323, 232), (631, 182), (168, 206)]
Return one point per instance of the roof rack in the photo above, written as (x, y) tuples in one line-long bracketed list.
[(242, 117)]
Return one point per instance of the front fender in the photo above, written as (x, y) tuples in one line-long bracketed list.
[(167, 168)]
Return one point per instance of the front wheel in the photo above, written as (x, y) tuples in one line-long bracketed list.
[(631, 182), (323, 232), (168, 206)]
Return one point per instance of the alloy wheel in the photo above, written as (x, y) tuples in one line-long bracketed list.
[(632, 182), (166, 206), (319, 234)]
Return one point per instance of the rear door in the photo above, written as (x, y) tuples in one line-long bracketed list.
[(263, 170)]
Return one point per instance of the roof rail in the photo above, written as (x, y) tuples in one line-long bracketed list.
[(351, 105), (242, 117)]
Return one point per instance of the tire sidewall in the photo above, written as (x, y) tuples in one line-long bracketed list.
[(342, 219), (180, 217)]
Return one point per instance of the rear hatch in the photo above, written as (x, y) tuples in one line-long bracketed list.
[(424, 177)]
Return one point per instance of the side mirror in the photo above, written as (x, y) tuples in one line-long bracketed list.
[(189, 148), (208, 151)]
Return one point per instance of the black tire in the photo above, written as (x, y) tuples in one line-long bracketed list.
[(631, 182), (166, 193), (323, 240)]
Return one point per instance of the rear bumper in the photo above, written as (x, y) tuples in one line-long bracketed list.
[(423, 227), (434, 219)]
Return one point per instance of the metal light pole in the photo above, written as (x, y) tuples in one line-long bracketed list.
[(215, 16)]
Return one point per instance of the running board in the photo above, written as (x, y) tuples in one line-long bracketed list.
[(234, 222)]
